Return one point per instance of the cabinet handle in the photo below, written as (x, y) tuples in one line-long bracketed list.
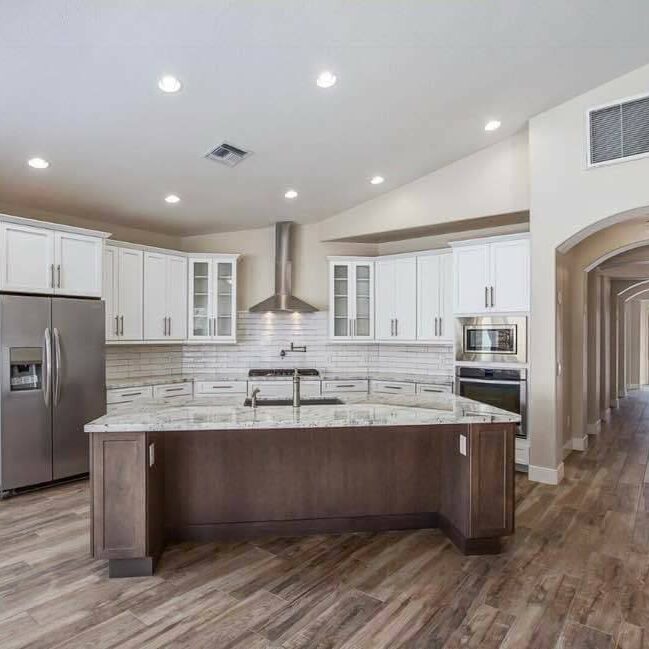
[(486, 297), (435, 326), (169, 326), (214, 326), (121, 325), (492, 295), (393, 387), (345, 385), (52, 274), (132, 394), (58, 276), (174, 389), (441, 328), (396, 326), (117, 325)]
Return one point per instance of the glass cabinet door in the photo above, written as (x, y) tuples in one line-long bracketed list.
[(341, 300), (200, 324), (363, 301), (224, 299)]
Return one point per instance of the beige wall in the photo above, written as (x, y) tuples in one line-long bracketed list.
[(567, 198), (256, 268), (492, 181)]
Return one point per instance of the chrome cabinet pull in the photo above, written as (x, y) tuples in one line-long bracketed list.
[(174, 389), (132, 394), (121, 325), (117, 325), (396, 326), (441, 329), (435, 326), (52, 275), (209, 326), (58, 276), (170, 325), (492, 295), (486, 297), (57, 375), (48, 370)]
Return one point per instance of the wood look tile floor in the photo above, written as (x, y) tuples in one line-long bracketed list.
[(575, 575)]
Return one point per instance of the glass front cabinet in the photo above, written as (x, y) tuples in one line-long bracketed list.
[(213, 298), (351, 291)]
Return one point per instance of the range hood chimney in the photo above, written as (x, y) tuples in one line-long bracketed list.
[(283, 301)]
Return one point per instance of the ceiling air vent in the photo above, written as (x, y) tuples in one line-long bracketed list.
[(619, 131), (228, 154)]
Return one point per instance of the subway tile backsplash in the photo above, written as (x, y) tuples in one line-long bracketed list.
[(261, 337)]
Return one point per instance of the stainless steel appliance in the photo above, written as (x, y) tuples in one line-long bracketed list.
[(504, 388), (488, 339), (52, 382)]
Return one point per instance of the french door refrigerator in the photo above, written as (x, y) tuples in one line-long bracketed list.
[(52, 382)]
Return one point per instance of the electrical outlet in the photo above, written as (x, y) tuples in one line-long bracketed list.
[(463, 444), (151, 454)]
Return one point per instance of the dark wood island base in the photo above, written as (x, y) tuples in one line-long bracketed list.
[(151, 488)]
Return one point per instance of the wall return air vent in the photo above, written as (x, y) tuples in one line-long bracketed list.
[(228, 154), (619, 131)]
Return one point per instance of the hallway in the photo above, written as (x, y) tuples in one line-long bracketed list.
[(575, 575)]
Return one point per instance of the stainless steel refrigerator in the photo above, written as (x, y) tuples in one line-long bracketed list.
[(52, 382)]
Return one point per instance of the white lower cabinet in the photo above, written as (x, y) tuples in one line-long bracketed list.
[(342, 387), (217, 388), (167, 390), (284, 388), (392, 387)]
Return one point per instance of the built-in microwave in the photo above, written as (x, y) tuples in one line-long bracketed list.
[(487, 339)]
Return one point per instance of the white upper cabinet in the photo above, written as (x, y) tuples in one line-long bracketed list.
[(435, 297), (396, 299), (212, 314), (77, 260), (27, 259), (122, 292), (492, 276), (165, 297), (351, 299), (49, 261)]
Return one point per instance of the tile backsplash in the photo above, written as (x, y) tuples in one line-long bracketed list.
[(261, 337)]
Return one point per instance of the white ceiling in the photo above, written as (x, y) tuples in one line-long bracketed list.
[(417, 81)]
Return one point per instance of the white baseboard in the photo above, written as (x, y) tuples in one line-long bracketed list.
[(615, 403), (633, 386), (595, 428), (580, 443), (545, 474)]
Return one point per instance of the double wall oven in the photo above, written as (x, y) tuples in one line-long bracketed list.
[(490, 352)]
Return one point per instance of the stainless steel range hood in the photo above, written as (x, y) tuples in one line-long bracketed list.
[(283, 301)]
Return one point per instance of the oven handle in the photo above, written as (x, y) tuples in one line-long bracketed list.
[(468, 380)]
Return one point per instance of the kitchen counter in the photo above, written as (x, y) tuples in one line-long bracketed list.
[(136, 382), (228, 413), (211, 469)]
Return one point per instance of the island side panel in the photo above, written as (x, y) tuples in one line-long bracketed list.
[(492, 483), (118, 475), (239, 478)]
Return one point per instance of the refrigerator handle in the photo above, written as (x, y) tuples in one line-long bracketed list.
[(48, 367), (57, 358)]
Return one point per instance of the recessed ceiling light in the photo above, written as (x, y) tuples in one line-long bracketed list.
[(169, 83), (326, 79), (492, 125), (38, 163), (172, 198), (377, 180), (290, 194)]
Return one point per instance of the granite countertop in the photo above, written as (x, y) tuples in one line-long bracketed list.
[(437, 379), (227, 413)]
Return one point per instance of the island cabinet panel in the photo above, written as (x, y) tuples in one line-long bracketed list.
[(492, 483), (246, 476), (128, 496)]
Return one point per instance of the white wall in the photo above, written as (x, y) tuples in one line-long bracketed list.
[(567, 198)]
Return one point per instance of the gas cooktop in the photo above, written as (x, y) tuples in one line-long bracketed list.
[(284, 371)]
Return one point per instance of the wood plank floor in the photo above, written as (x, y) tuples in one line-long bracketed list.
[(576, 575)]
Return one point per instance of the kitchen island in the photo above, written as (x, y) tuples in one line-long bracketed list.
[(211, 469)]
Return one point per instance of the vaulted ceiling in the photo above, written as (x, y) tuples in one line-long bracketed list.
[(416, 83)]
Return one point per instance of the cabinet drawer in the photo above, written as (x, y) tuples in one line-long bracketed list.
[(127, 395), (209, 388), (345, 386), (393, 387), (431, 388), (284, 388), (172, 390)]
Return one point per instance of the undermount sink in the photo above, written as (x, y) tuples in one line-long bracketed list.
[(314, 401)]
